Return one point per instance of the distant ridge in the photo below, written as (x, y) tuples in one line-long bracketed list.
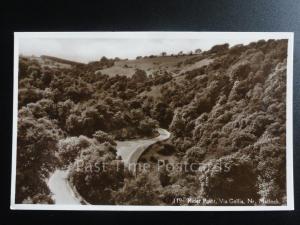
[(60, 60)]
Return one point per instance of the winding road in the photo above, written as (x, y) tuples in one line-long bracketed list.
[(130, 152), (62, 192)]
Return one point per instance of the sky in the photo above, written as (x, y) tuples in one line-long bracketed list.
[(92, 46)]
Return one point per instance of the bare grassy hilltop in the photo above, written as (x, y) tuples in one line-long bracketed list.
[(225, 109)]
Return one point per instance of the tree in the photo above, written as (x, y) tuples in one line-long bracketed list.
[(69, 148), (102, 137), (219, 48), (198, 51), (231, 177), (29, 95), (36, 146), (194, 155), (147, 126), (98, 183), (164, 177), (139, 76), (143, 190), (177, 125)]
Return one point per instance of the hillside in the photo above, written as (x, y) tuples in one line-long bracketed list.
[(153, 65), (225, 109)]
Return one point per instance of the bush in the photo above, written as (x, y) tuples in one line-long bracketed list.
[(97, 186), (29, 95), (147, 126), (36, 146), (69, 148), (102, 137), (139, 76), (219, 48), (143, 190), (240, 71), (167, 150), (194, 155), (231, 177)]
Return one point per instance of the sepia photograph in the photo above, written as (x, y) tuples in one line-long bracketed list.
[(153, 121)]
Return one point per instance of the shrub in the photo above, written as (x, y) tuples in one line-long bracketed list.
[(102, 137), (231, 177), (194, 155), (139, 76)]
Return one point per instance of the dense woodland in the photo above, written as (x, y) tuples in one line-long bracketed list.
[(228, 114)]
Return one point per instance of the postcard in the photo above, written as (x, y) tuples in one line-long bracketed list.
[(184, 121)]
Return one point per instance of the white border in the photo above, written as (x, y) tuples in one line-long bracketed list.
[(165, 35)]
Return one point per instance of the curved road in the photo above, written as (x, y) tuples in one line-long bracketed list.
[(130, 152), (62, 192)]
